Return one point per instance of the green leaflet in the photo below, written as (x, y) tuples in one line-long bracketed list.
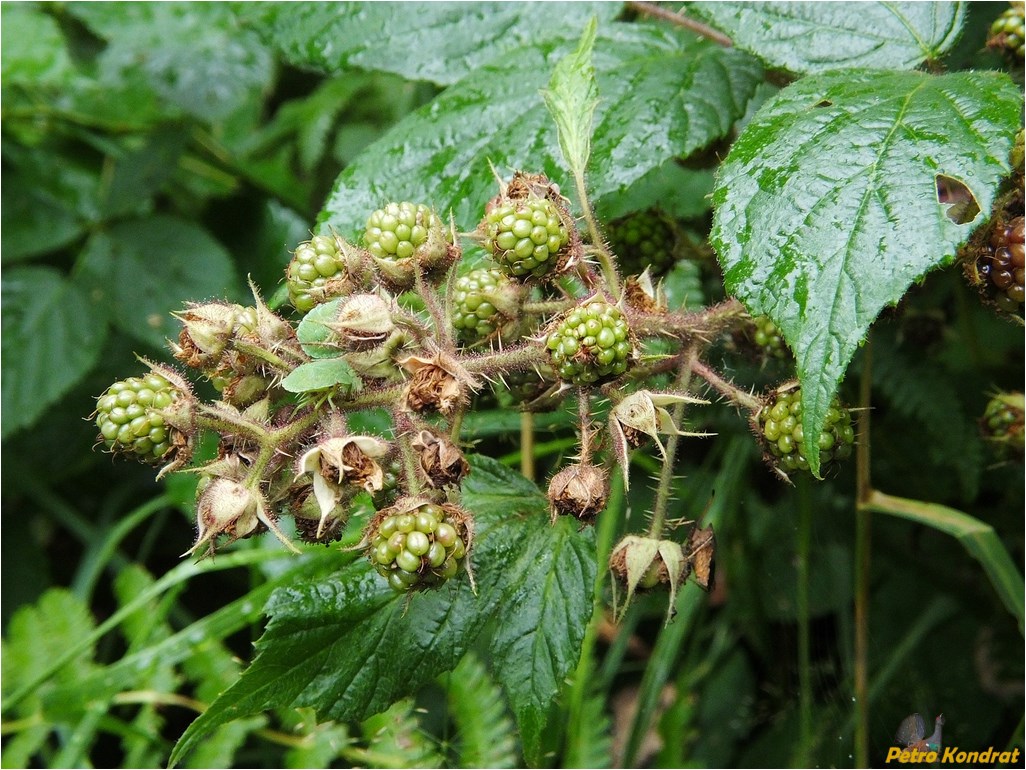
[(319, 375), (827, 210), (571, 99)]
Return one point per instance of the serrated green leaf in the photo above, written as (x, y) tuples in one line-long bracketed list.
[(195, 55), (319, 375), (440, 42), (484, 730), (544, 616), (665, 93), (53, 332), (33, 52), (827, 209), (807, 37), (36, 635), (147, 268), (571, 99)]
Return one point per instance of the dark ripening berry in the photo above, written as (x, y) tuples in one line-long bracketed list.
[(781, 425), (590, 344), (418, 546), (642, 240), (129, 417), (1004, 265), (526, 237)]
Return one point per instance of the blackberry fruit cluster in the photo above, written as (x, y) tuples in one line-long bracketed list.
[(314, 263), (418, 547), (767, 337), (1002, 264), (396, 231), (476, 300), (1008, 31), (1002, 423), (526, 237), (128, 416), (645, 239), (781, 426), (592, 343)]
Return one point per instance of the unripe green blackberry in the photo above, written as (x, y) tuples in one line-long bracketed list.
[(484, 302), (1002, 424), (399, 229), (590, 344), (526, 237), (129, 416), (1008, 31), (767, 338), (781, 425), (416, 544), (314, 263), (644, 239)]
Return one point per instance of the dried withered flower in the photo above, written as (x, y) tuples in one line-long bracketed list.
[(440, 459), (227, 507), (579, 490), (339, 461), (438, 383)]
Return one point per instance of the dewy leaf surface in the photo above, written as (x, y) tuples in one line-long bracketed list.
[(349, 646), (439, 42), (827, 209), (53, 333), (663, 93), (813, 37)]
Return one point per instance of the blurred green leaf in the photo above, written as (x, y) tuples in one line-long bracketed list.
[(485, 732), (32, 52), (821, 245), (53, 332), (195, 55), (807, 37), (145, 268), (441, 42), (440, 154)]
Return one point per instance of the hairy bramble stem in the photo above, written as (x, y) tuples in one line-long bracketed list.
[(655, 530), (727, 388)]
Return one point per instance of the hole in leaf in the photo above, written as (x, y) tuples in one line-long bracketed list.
[(823, 103), (960, 203)]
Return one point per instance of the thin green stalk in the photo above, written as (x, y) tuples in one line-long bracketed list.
[(609, 274), (92, 567), (863, 544), (804, 548), (666, 474)]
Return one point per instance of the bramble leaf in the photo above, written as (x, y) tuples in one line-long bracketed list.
[(325, 373), (571, 99), (827, 205)]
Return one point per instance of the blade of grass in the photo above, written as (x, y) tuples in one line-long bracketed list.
[(978, 538)]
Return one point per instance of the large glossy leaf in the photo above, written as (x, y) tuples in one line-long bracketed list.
[(53, 332), (807, 37), (196, 55), (440, 42), (663, 93), (827, 208), (349, 646), (146, 268)]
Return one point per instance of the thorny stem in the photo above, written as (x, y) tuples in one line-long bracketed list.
[(584, 417), (549, 307), (727, 388), (438, 316), (702, 323), (655, 530), (651, 9), (609, 274), (863, 543), (256, 351), (408, 458), (511, 359)]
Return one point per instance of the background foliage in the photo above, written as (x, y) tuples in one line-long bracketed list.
[(158, 153)]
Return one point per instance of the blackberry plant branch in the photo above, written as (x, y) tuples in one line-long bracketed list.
[(724, 387), (658, 522), (658, 12)]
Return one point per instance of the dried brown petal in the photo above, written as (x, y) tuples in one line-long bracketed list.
[(703, 553), (440, 459), (438, 383), (578, 490)]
